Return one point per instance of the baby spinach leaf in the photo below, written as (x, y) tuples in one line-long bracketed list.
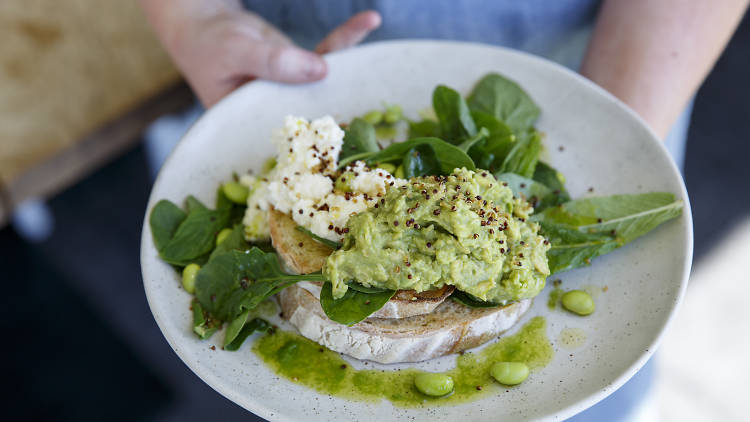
[(449, 156), (626, 216), (354, 306), (470, 301), (506, 100), (420, 161), (359, 137), (256, 324), (236, 211), (330, 243), (234, 281), (424, 128), (194, 204), (482, 135), (490, 153), (523, 154), (194, 237), (453, 115), (234, 327), (203, 324), (164, 219), (364, 289), (235, 241), (571, 248), (553, 179)]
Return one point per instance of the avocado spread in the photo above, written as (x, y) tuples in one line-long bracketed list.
[(464, 229)]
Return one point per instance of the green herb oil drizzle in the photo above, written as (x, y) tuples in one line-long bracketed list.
[(306, 362)]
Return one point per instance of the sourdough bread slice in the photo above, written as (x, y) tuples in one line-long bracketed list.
[(450, 328), (304, 255)]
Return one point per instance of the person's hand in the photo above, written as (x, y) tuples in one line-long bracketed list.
[(221, 48)]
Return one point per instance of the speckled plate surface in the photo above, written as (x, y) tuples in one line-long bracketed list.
[(605, 146)]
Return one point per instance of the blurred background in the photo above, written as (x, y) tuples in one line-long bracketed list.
[(75, 173)]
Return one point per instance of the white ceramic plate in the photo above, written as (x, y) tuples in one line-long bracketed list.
[(605, 146)]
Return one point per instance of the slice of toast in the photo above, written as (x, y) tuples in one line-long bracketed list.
[(450, 328), (304, 255)]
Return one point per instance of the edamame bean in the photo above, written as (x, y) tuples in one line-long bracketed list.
[(236, 192), (373, 117), (188, 277), (390, 168), (510, 373), (435, 385), (392, 114), (399, 172), (578, 302), (222, 236)]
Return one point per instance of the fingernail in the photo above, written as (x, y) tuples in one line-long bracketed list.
[(316, 68)]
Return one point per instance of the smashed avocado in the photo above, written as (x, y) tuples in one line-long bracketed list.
[(465, 229)]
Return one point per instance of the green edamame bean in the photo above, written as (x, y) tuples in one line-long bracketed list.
[(188, 277), (399, 172), (390, 168), (373, 117), (236, 192), (222, 236), (435, 385), (510, 373), (392, 114), (578, 302)]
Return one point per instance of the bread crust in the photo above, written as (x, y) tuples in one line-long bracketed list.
[(304, 255), (450, 328)]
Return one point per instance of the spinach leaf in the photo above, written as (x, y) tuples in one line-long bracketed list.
[(506, 100), (236, 211), (358, 138), (360, 288), (571, 248), (195, 236), (164, 220), (256, 324), (425, 128), (449, 156), (482, 135), (354, 306), (626, 216), (531, 190), (523, 155), (234, 281), (553, 179), (234, 327), (470, 301), (235, 241), (330, 243), (490, 153), (420, 161), (203, 324), (453, 115), (194, 204)]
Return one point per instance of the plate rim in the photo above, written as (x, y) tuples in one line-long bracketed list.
[(261, 410)]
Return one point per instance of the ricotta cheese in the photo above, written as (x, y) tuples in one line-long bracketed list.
[(302, 182)]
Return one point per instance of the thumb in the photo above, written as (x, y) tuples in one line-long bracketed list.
[(282, 63)]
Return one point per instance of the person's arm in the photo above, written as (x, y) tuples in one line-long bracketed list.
[(218, 45), (653, 55)]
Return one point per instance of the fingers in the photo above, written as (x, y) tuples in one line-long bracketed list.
[(281, 63), (350, 32)]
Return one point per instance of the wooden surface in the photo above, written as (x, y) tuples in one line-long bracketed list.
[(69, 72)]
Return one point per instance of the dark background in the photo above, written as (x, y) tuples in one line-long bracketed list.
[(80, 342)]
